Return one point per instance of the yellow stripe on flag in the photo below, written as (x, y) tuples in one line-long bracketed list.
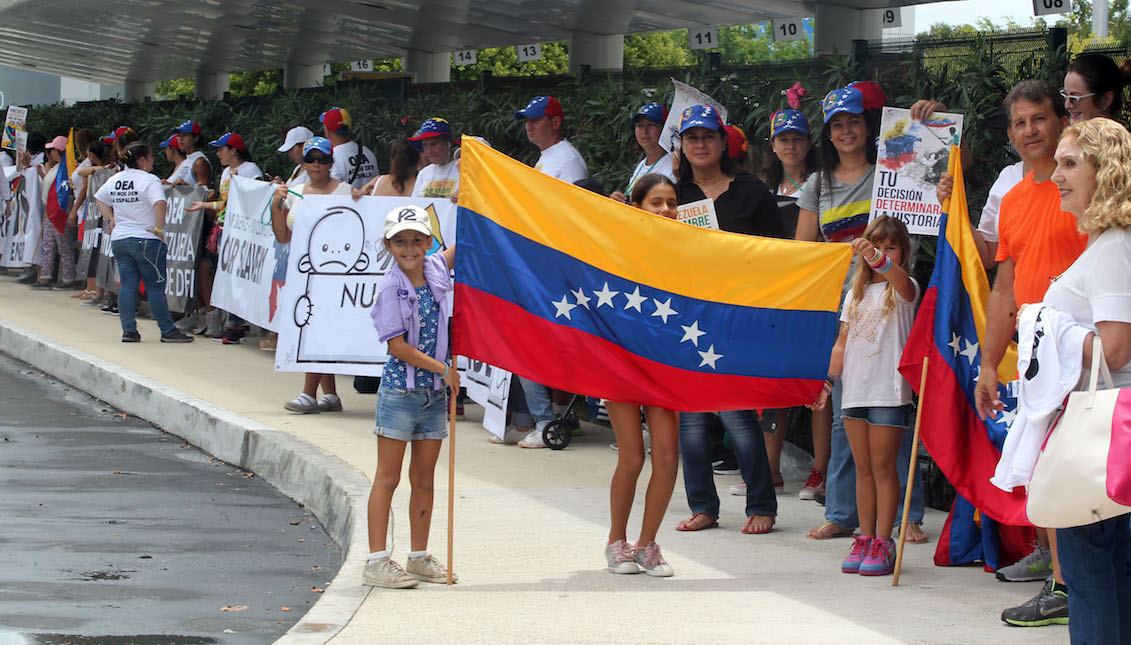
[(648, 249)]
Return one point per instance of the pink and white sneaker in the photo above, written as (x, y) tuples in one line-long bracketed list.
[(881, 558), (649, 559), (814, 485)]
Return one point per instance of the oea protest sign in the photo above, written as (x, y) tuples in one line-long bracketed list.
[(23, 220), (182, 236), (337, 259), (249, 255), (911, 158), (90, 241)]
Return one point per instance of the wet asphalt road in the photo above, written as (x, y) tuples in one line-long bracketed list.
[(112, 532)]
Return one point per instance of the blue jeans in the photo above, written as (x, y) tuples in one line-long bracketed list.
[(411, 415), (1096, 562), (840, 482), (749, 449), (141, 259), (537, 399)]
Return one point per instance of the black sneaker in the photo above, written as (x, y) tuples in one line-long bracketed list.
[(27, 277), (111, 309), (1046, 608), (131, 337), (727, 466), (41, 285), (176, 336)]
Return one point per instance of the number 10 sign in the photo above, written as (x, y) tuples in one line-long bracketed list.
[(788, 29)]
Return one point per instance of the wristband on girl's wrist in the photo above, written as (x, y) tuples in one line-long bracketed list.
[(447, 368), (884, 266)]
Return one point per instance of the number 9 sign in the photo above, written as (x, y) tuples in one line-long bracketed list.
[(890, 18)]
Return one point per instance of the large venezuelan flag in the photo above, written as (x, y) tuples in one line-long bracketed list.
[(949, 329), (60, 193), (580, 293)]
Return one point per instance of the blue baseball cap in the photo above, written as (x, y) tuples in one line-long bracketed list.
[(845, 99), (188, 127), (654, 112), (321, 144), (700, 116), (171, 142), (434, 127), (539, 107), (230, 139), (785, 120)]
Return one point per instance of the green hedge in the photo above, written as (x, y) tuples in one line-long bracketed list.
[(970, 75)]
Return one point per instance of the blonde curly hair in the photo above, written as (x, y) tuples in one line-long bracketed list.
[(1106, 145)]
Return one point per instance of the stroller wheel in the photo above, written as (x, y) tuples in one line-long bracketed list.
[(556, 436)]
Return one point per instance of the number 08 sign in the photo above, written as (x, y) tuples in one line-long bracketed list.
[(1050, 7)]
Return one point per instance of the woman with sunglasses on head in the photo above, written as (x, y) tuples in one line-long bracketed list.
[(1094, 86), (317, 159)]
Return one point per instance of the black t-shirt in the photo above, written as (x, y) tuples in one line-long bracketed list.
[(747, 206)]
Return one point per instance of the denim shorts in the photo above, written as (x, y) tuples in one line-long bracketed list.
[(411, 415), (900, 417)]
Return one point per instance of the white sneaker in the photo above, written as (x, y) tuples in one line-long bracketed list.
[(621, 557), (653, 563), (534, 439), (738, 489), (647, 442), (511, 436), (428, 569), (387, 573), (188, 323), (213, 323)]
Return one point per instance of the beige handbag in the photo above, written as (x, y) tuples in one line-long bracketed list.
[(1083, 474)]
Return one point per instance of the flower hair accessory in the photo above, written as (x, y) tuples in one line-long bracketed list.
[(794, 94)]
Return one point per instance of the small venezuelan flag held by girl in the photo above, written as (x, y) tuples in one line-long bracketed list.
[(584, 294)]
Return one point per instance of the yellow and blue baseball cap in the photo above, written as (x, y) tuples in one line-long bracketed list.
[(785, 120), (700, 116), (844, 99)]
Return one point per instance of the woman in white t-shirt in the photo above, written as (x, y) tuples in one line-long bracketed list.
[(233, 154), (195, 170), (317, 157), (1092, 174), (133, 201), (875, 401), (647, 124)]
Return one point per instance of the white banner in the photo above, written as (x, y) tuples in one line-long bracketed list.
[(324, 323), (685, 97), (911, 159), (248, 255), (22, 221), (490, 387)]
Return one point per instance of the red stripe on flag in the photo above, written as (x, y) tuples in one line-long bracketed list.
[(951, 429), (497, 331)]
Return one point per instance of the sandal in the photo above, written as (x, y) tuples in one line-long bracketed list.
[(685, 525), (80, 294), (915, 534), (828, 531), (750, 520)]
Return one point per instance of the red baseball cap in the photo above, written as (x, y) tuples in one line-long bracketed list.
[(539, 107), (336, 119), (874, 97), (173, 142)]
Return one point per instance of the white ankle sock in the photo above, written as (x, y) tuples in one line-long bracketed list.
[(305, 399), (378, 556), (330, 398), (416, 555)]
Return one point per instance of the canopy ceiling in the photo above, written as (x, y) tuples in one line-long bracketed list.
[(109, 41)]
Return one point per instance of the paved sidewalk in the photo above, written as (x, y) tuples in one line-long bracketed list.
[(531, 526)]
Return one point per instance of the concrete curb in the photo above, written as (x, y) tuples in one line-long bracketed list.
[(333, 491)]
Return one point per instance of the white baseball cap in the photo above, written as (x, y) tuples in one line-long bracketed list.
[(296, 136), (407, 218)]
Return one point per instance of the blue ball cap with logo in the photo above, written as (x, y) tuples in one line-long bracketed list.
[(321, 144), (785, 120), (539, 107), (654, 112), (845, 99), (700, 116)]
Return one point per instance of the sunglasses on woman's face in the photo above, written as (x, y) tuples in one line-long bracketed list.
[(319, 159)]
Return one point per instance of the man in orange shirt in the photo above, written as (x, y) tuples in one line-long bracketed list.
[(1037, 242)]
